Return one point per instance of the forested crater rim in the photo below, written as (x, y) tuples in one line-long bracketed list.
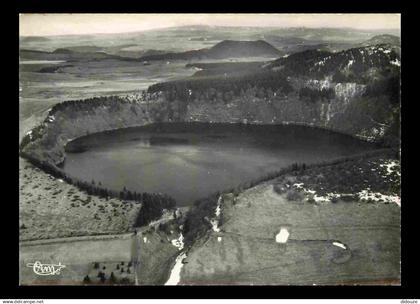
[(156, 126), (71, 121)]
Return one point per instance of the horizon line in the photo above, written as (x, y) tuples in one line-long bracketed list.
[(214, 26)]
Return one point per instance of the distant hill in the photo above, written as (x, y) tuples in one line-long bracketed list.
[(67, 55), (383, 39), (63, 51), (282, 41), (350, 65), (152, 52), (361, 65), (28, 39), (26, 54), (124, 50), (222, 50), (389, 40), (225, 69), (290, 44), (231, 48), (134, 53), (81, 49)]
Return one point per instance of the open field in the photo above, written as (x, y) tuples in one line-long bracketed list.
[(78, 256), (51, 208), (247, 252), (40, 91), (87, 256), (345, 242)]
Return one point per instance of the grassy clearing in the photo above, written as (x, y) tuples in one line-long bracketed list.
[(102, 260), (244, 251), (77, 254), (51, 208)]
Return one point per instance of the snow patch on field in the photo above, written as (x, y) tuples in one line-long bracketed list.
[(321, 199), (29, 133), (175, 275), (366, 195), (219, 201), (396, 62), (179, 243), (282, 236), (390, 165), (215, 222), (338, 244), (317, 198)]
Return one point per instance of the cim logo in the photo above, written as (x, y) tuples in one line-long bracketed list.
[(46, 269)]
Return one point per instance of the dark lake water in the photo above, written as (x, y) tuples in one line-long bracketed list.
[(191, 161)]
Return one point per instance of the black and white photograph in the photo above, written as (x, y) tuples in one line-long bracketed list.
[(210, 149)]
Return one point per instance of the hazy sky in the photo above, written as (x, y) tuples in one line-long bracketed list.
[(65, 24)]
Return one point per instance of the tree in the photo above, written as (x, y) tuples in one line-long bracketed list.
[(86, 280), (101, 276), (112, 278), (125, 281), (103, 279)]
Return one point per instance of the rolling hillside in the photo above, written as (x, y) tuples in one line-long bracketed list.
[(222, 50), (356, 64)]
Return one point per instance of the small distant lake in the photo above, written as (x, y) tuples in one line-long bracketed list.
[(41, 61), (192, 160)]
